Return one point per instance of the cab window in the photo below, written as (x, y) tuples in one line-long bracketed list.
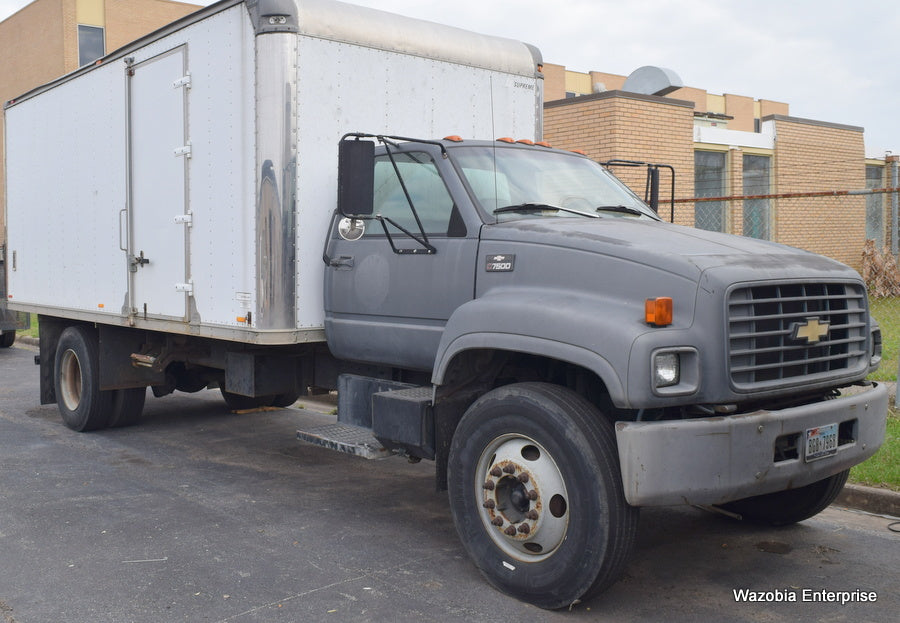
[(426, 189)]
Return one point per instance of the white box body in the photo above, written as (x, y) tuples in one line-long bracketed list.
[(186, 182)]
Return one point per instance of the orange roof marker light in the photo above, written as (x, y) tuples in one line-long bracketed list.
[(578, 151), (505, 139), (525, 141), (454, 138), (544, 144), (658, 311)]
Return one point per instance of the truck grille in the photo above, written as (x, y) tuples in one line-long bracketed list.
[(778, 333)]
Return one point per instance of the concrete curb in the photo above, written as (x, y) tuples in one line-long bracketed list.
[(27, 339), (870, 500), (857, 497)]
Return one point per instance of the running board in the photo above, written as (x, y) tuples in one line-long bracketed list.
[(345, 438)]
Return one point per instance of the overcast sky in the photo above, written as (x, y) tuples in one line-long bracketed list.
[(831, 60)]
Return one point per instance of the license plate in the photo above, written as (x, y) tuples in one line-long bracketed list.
[(821, 441)]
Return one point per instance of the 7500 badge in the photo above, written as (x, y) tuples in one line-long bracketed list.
[(500, 263)]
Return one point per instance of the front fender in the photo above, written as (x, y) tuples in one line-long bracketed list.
[(583, 330)]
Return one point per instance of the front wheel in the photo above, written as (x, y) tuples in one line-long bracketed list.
[(786, 507), (536, 494)]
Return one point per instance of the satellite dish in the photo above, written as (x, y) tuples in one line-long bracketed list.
[(651, 80)]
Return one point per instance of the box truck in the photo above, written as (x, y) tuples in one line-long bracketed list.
[(270, 196)]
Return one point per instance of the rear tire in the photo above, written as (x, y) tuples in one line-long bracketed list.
[(7, 339), (286, 400), (536, 494), (238, 402), (127, 406), (77, 381), (787, 507)]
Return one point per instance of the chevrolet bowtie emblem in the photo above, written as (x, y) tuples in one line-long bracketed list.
[(812, 330)]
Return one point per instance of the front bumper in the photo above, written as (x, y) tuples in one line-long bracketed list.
[(721, 459)]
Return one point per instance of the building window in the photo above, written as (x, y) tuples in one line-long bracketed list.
[(757, 212), (709, 181), (91, 44), (875, 205)]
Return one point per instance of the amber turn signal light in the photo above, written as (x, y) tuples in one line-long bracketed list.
[(658, 311)]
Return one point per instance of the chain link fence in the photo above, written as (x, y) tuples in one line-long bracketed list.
[(856, 227)]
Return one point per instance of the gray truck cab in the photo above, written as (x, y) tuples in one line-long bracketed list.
[(439, 220), (581, 357)]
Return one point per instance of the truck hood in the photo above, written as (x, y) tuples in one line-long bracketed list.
[(682, 251)]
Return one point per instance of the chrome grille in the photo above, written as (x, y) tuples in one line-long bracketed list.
[(765, 320)]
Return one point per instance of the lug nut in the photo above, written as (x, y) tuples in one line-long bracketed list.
[(510, 531), (524, 528), (497, 521), (532, 495), (523, 477), (489, 485), (532, 515), (496, 473), (509, 469), (489, 504)]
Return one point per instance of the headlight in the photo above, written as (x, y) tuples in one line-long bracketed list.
[(675, 371), (666, 369)]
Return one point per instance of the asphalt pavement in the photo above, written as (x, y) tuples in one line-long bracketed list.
[(199, 514)]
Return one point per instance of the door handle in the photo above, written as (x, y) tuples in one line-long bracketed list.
[(138, 260), (344, 262)]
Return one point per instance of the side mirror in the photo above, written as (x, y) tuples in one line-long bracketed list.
[(356, 178)]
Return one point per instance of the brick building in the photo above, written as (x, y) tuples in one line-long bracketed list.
[(49, 38), (729, 146)]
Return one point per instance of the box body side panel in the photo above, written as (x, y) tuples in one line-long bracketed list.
[(346, 88)]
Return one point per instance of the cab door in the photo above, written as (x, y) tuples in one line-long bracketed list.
[(387, 295)]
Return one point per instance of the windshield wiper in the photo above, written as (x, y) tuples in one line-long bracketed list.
[(530, 208), (622, 209)]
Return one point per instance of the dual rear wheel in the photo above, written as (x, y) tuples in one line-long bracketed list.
[(85, 407), (82, 404), (7, 339)]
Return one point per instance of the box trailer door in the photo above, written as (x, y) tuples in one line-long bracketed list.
[(159, 155)]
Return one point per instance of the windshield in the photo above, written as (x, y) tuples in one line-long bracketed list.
[(516, 183)]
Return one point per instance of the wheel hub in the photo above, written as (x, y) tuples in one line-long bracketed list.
[(70, 374), (523, 498)]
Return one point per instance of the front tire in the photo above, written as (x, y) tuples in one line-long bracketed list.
[(82, 405), (536, 494), (783, 508)]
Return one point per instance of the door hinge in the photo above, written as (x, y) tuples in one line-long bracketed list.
[(184, 150), (184, 81), (185, 287), (185, 219)]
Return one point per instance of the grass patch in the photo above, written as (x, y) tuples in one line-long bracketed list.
[(887, 312), (883, 469), (33, 330)]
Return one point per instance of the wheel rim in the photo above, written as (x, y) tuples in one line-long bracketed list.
[(70, 380), (521, 497)]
